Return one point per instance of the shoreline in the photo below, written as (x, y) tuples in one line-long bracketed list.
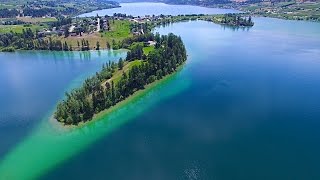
[(102, 114), (236, 7)]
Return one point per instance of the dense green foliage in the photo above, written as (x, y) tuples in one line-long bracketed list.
[(237, 20), (39, 12), (8, 13), (54, 8), (234, 20), (103, 91), (27, 40)]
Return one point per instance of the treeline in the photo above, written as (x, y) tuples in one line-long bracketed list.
[(27, 40), (61, 21), (12, 21), (8, 13), (126, 43), (236, 20), (40, 12), (198, 2), (227, 19), (101, 91), (85, 46)]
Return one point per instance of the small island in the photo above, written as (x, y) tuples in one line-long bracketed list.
[(231, 19), (118, 80)]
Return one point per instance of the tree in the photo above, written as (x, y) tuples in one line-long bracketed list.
[(108, 45), (114, 44), (98, 46), (120, 64), (88, 45), (250, 20), (66, 31), (65, 46)]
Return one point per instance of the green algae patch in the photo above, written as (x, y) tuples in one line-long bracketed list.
[(51, 144)]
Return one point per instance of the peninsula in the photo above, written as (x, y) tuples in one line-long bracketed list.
[(117, 81)]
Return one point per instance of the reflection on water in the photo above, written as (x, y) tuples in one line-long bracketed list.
[(235, 28)]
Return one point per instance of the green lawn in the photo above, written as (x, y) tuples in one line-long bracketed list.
[(119, 31), (148, 49), (18, 28), (37, 20)]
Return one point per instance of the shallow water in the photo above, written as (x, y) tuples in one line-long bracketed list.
[(245, 106), (143, 8), (32, 82)]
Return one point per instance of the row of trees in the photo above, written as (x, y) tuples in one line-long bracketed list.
[(61, 20), (101, 91), (226, 19), (27, 40), (8, 13), (236, 20), (40, 12)]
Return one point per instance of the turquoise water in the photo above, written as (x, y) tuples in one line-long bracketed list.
[(144, 8), (32, 82), (245, 106)]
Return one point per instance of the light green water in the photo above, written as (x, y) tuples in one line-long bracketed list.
[(49, 145)]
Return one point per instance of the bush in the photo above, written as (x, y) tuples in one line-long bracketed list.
[(8, 49)]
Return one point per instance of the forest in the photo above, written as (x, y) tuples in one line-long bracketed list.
[(8, 13), (104, 90), (52, 8), (27, 40), (234, 20)]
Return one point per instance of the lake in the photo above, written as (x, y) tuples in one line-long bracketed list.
[(245, 106), (142, 9)]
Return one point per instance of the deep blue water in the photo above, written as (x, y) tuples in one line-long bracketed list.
[(147, 8), (252, 110)]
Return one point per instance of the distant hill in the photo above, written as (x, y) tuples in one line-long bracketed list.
[(190, 2), (212, 2)]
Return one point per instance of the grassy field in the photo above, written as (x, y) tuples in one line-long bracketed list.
[(18, 28), (148, 49), (119, 31), (37, 20), (91, 38)]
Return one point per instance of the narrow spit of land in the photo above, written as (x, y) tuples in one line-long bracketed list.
[(118, 81)]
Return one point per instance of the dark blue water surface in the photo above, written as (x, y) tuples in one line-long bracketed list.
[(252, 110)]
